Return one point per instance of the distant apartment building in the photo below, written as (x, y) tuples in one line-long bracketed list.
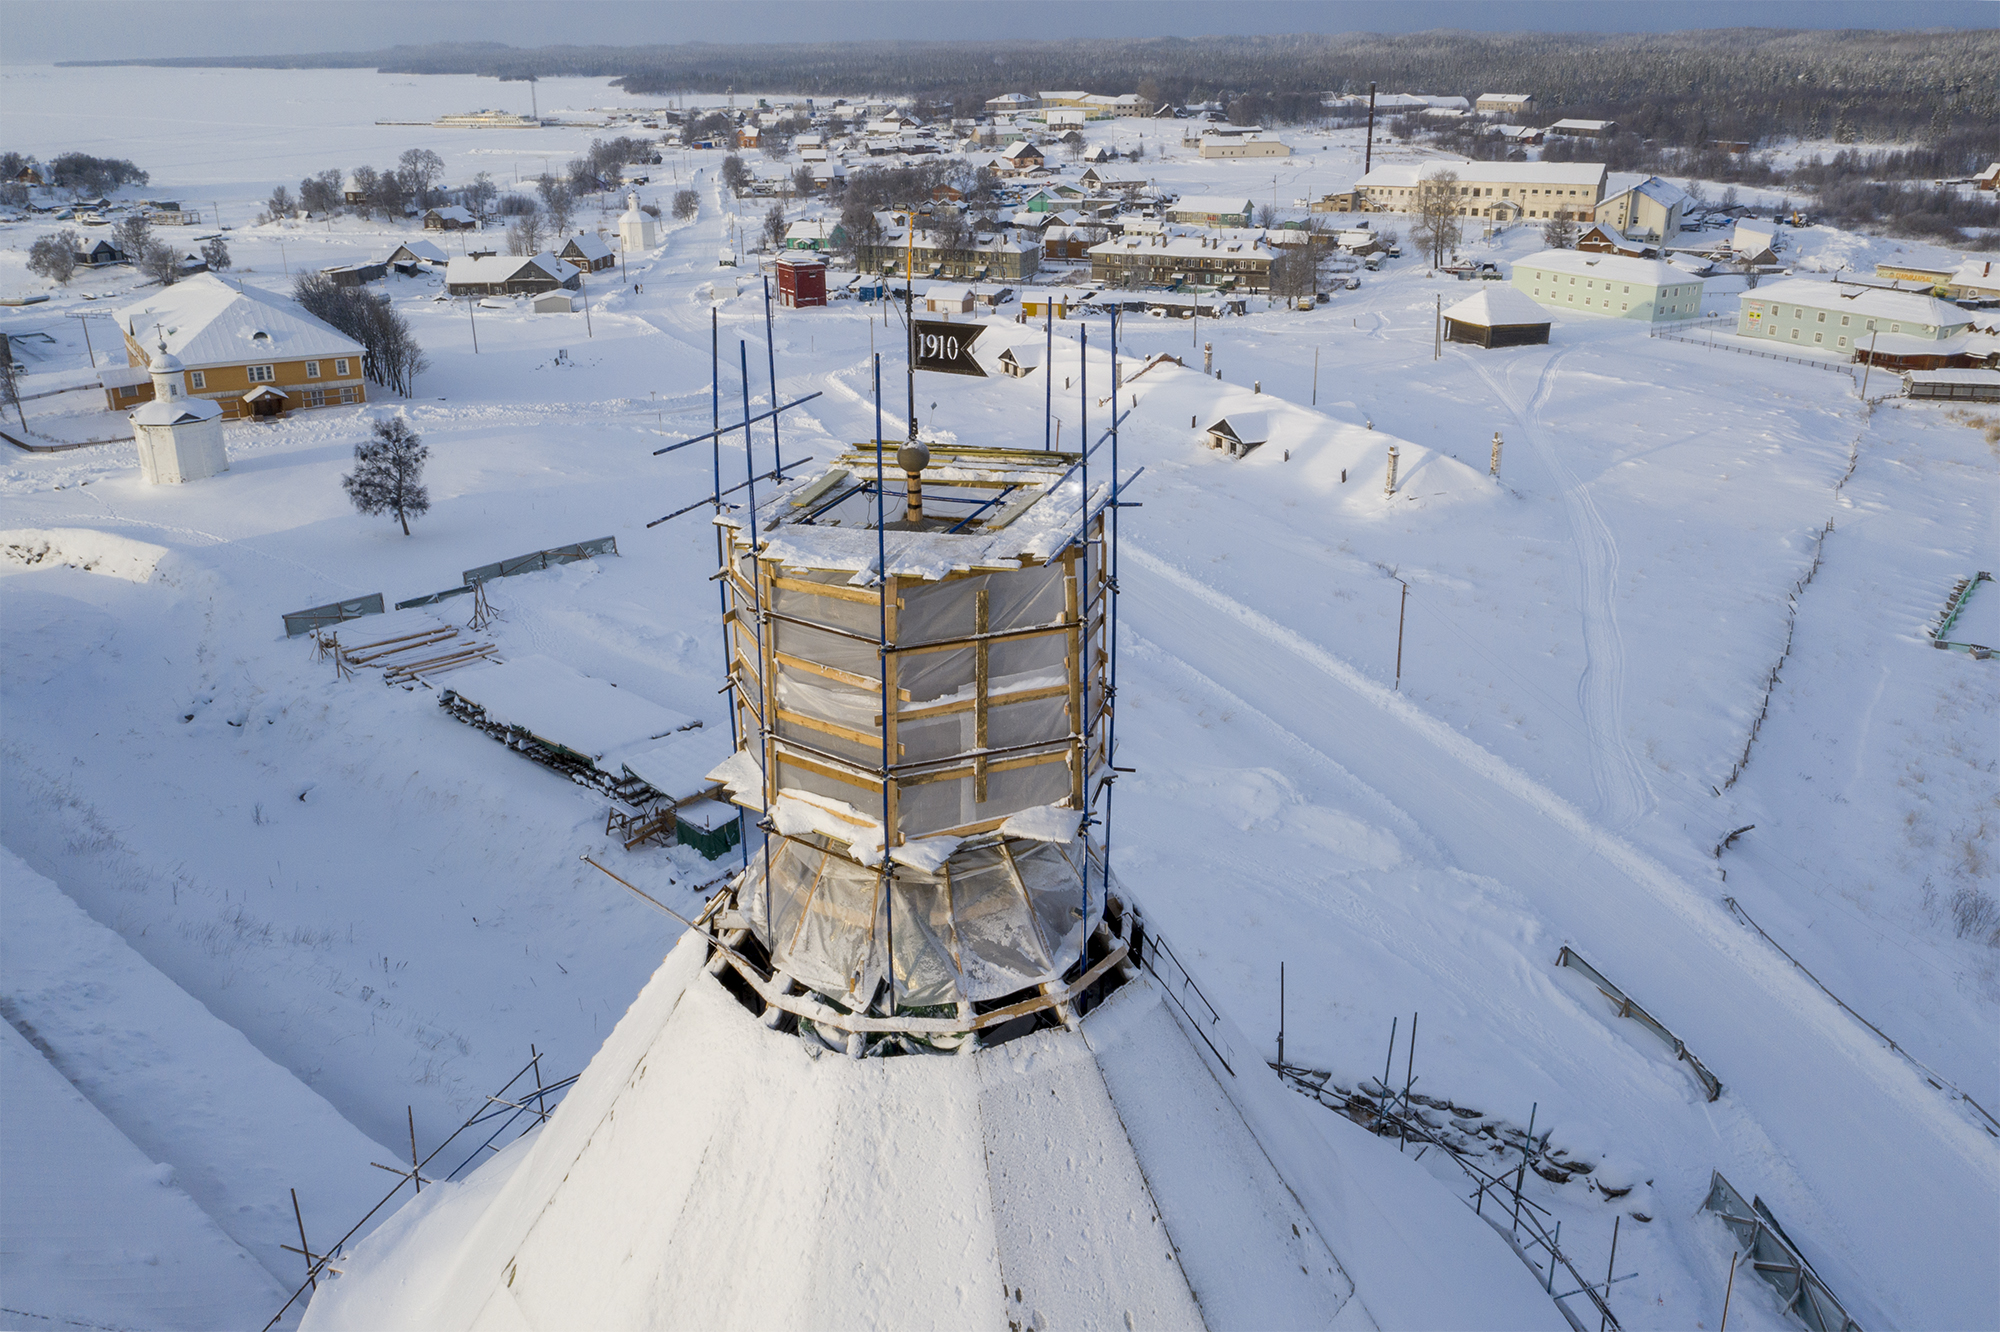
[(1902, 330), (1215, 146), (1609, 284), (980, 259), (1240, 261), (1210, 210), (1641, 207), (1503, 104), (1503, 191)]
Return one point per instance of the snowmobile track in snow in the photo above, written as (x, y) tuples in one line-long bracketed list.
[(1623, 794)]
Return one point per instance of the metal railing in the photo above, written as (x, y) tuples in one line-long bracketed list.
[(1678, 333), (334, 612), (1774, 1257), (1627, 1009), (1528, 1226)]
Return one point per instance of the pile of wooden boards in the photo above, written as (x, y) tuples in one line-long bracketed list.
[(406, 647)]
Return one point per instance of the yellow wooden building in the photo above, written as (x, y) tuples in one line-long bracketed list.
[(251, 353)]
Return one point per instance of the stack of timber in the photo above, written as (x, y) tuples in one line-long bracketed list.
[(407, 647)]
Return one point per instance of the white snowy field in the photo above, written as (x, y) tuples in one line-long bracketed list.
[(389, 908)]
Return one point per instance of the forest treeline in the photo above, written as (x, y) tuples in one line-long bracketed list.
[(1680, 89)]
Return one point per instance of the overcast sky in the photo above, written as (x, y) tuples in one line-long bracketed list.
[(36, 32)]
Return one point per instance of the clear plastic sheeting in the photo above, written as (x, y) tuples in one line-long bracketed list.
[(995, 919)]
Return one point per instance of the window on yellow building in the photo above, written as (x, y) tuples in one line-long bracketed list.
[(197, 379), (312, 369), (261, 374)]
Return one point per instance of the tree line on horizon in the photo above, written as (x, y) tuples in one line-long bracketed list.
[(1680, 89)]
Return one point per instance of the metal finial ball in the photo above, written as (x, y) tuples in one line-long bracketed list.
[(913, 457)]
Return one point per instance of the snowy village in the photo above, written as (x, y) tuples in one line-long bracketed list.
[(745, 696)]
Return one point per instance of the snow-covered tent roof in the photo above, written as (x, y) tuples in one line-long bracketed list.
[(206, 322), (1498, 305), (707, 1171)]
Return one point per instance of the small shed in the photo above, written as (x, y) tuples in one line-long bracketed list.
[(1499, 316), (354, 275), (1239, 432), (552, 302), (949, 298), (1019, 362), (801, 279), (1955, 385)]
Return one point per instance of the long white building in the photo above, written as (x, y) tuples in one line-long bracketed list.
[(1609, 284), (1503, 191)]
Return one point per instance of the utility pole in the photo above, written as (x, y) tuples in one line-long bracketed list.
[(1873, 334), (84, 320), (1368, 154), (1494, 471), (1402, 609), (584, 287), (1437, 333), (474, 322), (1315, 401)]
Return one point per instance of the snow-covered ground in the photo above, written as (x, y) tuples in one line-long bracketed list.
[(389, 907)]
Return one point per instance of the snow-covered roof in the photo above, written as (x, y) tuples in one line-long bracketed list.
[(816, 228), (1989, 378), (450, 213), (1020, 149), (1408, 175), (1210, 204), (1664, 193), (1616, 238), (948, 291), (493, 268), (418, 249), (207, 322), (1580, 126), (1244, 244), (1980, 273), (1498, 305), (1510, 99), (589, 245), (1618, 267), (1752, 240), (1116, 1171), (1906, 307), (176, 411), (122, 376)]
